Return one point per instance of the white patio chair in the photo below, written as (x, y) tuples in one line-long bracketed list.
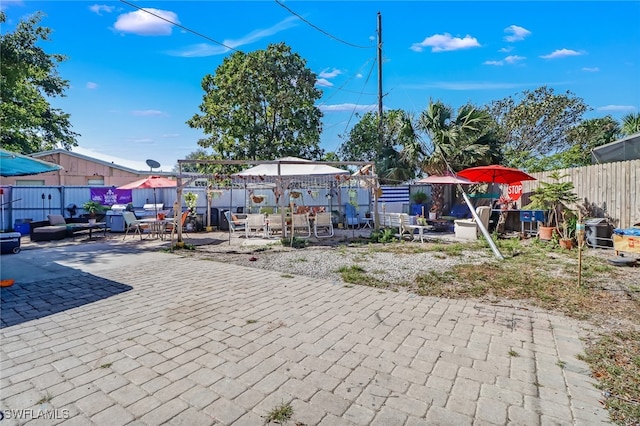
[(132, 224), (275, 224), (323, 224), (255, 224), (236, 223), (301, 225)]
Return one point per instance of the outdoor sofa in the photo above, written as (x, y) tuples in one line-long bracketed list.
[(57, 228)]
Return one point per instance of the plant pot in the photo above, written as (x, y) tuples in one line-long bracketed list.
[(92, 222), (566, 244), (546, 232), (432, 216)]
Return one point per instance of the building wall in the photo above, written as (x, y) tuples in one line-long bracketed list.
[(77, 171)]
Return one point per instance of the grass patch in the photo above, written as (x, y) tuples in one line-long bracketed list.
[(286, 276), (513, 353), (355, 274), (107, 365), (279, 414), (251, 321), (615, 362)]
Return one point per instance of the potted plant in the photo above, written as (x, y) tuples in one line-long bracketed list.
[(567, 228), (419, 197), (93, 208), (191, 200), (553, 197)]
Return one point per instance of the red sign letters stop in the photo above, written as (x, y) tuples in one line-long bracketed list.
[(515, 191)]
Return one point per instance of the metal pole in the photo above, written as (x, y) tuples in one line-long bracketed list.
[(480, 225)]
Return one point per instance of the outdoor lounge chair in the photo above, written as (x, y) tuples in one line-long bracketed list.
[(236, 223), (322, 225), (468, 229)]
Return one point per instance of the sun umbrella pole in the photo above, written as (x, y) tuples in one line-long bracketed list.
[(480, 225)]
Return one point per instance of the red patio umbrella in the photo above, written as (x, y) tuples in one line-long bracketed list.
[(494, 174), (151, 182)]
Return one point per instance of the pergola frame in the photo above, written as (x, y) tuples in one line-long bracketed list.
[(183, 180)]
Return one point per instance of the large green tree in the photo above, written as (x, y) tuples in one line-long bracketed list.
[(363, 143), (457, 140), (28, 78), (536, 123), (261, 106)]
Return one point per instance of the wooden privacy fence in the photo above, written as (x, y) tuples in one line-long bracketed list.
[(610, 190)]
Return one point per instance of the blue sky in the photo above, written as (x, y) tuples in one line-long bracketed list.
[(135, 79)]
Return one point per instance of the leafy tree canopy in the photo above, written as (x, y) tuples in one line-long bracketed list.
[(536, 123), (364, 144), (28, 76), (261, 106)]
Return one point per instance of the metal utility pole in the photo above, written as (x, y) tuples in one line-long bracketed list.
[(380, 79)]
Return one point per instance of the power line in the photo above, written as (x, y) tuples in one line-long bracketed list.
[(180, 26), (320, 29)]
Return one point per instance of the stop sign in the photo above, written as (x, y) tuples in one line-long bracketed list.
[(515, 191)]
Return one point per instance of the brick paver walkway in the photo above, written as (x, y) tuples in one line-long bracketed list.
[(162, 339)]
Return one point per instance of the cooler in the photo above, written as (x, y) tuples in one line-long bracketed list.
[(10, 242)]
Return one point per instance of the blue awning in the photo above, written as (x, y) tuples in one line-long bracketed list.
[(14, 164)]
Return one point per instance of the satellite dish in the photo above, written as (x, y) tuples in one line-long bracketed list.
[(153, 164)]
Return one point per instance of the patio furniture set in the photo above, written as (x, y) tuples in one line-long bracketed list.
[(58, 228), (268, 226)]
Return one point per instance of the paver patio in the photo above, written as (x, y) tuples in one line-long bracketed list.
[(139, 337)]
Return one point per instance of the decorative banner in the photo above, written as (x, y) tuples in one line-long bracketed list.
[(111, 196), (514, 191)]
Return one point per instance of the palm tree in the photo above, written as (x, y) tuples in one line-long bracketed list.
[(457, 141), (631, 123)]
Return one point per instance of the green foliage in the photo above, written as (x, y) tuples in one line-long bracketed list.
[(384, 236), (631, 123), (191, 200), (536, 123), (281, 414), (295, 242), (419, 197), (393, 162), (28, 79), (93, 207), (553, 196), (259, 106)]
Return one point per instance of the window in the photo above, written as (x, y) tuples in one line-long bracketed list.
[(95, 182), (25, 182)]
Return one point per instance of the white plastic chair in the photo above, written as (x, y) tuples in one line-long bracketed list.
[(301, 224), (323, 224), (255, 224)]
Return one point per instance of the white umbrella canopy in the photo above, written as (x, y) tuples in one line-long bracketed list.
[(290, 167)]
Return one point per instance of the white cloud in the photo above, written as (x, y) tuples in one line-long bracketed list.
[(512, 59), (329, 74), (561, 53), (445, 42), (619, 108), (146, 24), (5, 4), (92, 85), (323, 82), (148, 113), (590, 69), (506, 49), (359, 75), (516, 33), (347, 107), (99, 8), (203, 49)]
